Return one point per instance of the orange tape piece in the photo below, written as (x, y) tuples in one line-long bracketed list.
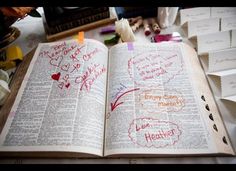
[(81, 37)]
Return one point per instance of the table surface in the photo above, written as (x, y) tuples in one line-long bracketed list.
[(28, 41)]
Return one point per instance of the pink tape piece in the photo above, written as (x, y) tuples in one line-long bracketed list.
[(130, 46)]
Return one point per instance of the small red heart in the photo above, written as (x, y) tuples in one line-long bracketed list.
[(56, 76), (67, 85)]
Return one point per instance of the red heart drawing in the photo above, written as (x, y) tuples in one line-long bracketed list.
[(56, 61), (65, 67), (67, 85), (56, 76)]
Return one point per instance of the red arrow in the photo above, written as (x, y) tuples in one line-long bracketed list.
[(113, 106)]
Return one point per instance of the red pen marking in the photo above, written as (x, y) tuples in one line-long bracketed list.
[(56, 76), (113, 106), (67, 85), (65, 67)]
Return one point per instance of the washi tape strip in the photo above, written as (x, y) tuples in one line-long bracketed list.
[(130, 46), (81, 37)]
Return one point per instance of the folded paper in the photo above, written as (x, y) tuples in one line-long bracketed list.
[(214, 41), (192, 14), (223, 12), (219, 60), (201, 27), (223, 83), (228, 23)]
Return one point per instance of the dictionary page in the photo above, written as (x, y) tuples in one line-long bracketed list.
[(60, 106), (154, 103)]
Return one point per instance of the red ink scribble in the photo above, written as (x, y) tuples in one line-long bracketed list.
[(149, 132), (150, 67), (60, 85), (90, 76), (66, 51), (76, 67), (64, 82), (56, 61), (66, 77), (89, 55), (43, 53), (154, 101), (67, 85), (56, 53), (65, 67), (76, 53), (56, 76), (114, 105), (59, 46)]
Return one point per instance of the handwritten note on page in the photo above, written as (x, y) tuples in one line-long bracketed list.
[(228, 23), (192, 14), (204, 26), (64, 78), (151, 101), (222, 60), (213, 41), (222, 12)]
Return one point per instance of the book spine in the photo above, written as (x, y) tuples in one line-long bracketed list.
[(78, 22), (69, 17)]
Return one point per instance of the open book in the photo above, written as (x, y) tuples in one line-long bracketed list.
[(134, 99)]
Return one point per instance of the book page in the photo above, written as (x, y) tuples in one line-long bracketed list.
[(61, 103), (153, 106)]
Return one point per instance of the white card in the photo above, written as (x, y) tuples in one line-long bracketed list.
[(231, 98), (192, 14), (233, 38), (213, 41), (222, 12), (204, 26), (222, 60), (228, 23), (228, 84), (223, 83)]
